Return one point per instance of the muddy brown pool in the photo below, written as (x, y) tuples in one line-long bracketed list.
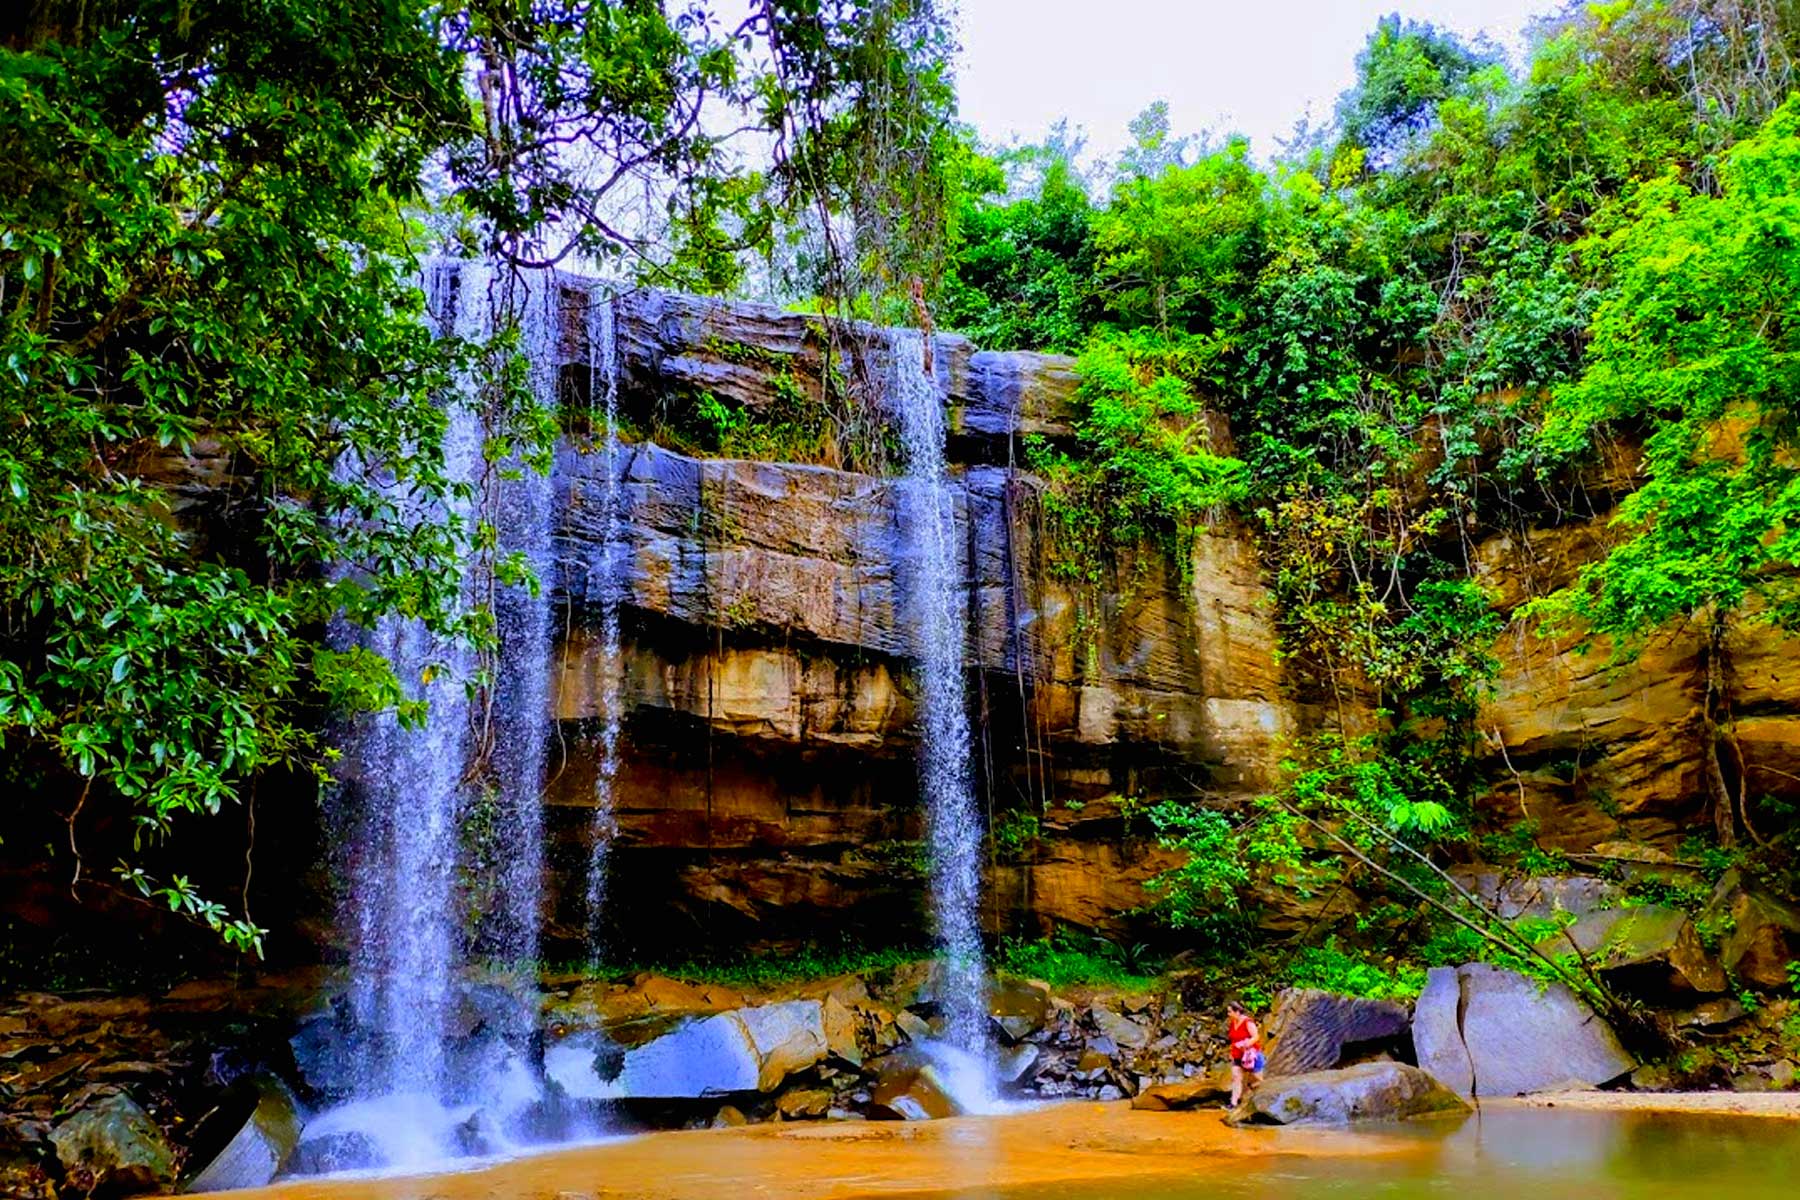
[(1108, 1152)]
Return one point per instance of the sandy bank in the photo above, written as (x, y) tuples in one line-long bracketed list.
[(1736, 1104), (1067, 1143)]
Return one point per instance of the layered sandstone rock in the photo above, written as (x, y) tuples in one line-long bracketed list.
[(767, 689)]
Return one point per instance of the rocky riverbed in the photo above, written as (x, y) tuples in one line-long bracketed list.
[(108, 1094)]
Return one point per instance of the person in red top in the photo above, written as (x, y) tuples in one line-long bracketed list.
[(1246, 1049)]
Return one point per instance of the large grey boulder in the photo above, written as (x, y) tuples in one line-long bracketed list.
[(1500, 1033), (1648, 951), (746, 1050), (786, 1038), (1437, 1032), (1314, 1030), (1375, 1091), (1540, 896), (111, 1146), (713, 1056)]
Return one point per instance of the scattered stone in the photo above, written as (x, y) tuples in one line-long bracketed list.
[(803, 1104), (1380, 1091), (26, 1154), (112, 1145), (1121, 1029), (1654, 1078), (1189, 1093), (1313, 1030), (1722, 1010)]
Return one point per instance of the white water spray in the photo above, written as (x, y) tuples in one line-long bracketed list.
[(434, 1066)]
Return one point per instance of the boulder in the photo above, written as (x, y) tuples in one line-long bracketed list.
[(1017, 1064), (709, 1057), (1518, 1035), (803, 1104), (909, 1087), (729, 1117), (111, 1146), (1019, 1007), (839, 1024), (1761, 933), (1121, 1029), (248, 1137), (329, 1153), (1540, 896), (1201, 1090), (1097, 1054), (1647, 951), (1375, 1091), (915, 1027), (749, 1050), (786, 1038), (1437, 1032), (1313, 1030)]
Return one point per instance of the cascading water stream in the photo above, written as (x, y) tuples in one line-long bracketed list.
[(952, 820), (604, 589), (435, 1060)]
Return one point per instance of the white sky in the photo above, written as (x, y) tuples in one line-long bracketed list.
[(1250, 66)]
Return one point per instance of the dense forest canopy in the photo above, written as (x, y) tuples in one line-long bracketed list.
[(1437, 320), (1444, 315)]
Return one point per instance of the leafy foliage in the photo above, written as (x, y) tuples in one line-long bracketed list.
[(1145, 466), (224, 409)]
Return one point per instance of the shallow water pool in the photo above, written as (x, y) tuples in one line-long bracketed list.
[(1533, 1154)]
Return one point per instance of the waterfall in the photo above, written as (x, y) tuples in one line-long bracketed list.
[(433, 1059), (953, 825), (604, 589), (525, 512)]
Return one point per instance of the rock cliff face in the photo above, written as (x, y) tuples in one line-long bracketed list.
[(1609, 751), (770, 620), (769, 785), (769, 778)]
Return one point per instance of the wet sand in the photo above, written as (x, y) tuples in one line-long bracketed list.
[(1067, 1143), (1735, 1104)]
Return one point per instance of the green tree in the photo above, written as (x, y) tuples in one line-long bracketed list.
[(210, 229), (1404, 72), (1698, 345)]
